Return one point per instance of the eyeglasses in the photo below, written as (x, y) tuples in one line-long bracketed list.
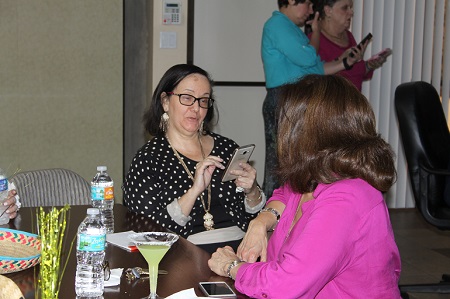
[(106, 270), (189, 100)]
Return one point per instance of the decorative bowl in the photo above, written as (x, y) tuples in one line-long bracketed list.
[(18, 250)]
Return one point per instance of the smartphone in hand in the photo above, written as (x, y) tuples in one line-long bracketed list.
[(367, 38), (383, 53), (241, 154)]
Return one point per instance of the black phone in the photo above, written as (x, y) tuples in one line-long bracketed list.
[(241, 154), (364, 40), (218, 289)]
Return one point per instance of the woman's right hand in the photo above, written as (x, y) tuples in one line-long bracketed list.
[(254, 244), (204, 171), (314, 23)]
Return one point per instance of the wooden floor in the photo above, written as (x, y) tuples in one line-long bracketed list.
[(424, 250)]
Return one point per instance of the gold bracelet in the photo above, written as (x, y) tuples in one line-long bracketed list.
[(258, 199)]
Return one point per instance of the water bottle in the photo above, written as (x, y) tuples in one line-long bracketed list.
[(102, 196), (91, 238), (4, 217)]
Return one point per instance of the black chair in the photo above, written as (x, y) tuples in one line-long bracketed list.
[(426, 141)]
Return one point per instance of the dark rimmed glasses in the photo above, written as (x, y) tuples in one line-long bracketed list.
[(106, 270), (189, 100)]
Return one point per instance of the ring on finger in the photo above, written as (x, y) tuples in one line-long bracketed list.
[(239, 189)]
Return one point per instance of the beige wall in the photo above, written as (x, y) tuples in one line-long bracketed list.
[(61, 85), (165, 58)]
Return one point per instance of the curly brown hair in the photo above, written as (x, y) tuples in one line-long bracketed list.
[(326, 133)]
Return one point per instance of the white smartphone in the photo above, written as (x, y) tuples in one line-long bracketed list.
[(218, 289), (241, 154)]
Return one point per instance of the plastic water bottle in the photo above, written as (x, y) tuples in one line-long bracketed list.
[(4, 218), (102, 196), (91, 238)]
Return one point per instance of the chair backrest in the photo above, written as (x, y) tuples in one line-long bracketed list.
[(51, 187), (425, 137)]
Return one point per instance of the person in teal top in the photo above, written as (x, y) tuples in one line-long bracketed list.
[(287, 56), (286, 52)]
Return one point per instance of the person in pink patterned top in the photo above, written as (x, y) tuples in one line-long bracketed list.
[(335, 18), (332, 233)]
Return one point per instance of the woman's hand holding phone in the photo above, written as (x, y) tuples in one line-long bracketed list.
[(361, 47), (239, 170), (378, 59)]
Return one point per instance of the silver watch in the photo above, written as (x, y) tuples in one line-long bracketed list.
[(231, 266)]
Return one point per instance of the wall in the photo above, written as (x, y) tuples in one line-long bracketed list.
[(229, 48), (165, 58), (138, 19), (61, 85)]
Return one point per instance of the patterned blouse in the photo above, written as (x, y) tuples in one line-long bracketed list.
[(156, 178)]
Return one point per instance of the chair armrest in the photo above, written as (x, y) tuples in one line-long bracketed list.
[(425, 175), (436, 171)]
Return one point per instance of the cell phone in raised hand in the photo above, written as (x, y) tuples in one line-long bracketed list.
[(363, 42), (365, 39), (241, 154)]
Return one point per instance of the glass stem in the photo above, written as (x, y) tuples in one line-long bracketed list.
[(153, 275)]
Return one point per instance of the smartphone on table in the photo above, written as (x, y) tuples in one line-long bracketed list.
[(217, 289), (241, 154)]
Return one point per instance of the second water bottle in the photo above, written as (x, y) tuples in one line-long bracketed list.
[(102, 196), (91, 238)]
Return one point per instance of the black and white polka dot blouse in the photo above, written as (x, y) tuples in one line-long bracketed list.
[(156, 178)]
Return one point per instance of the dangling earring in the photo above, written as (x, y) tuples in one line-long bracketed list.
[(164, 122), (200, 130)]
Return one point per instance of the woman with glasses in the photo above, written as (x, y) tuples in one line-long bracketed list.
[(175, 178)]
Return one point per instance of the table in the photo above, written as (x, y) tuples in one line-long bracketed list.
[(185, 262)]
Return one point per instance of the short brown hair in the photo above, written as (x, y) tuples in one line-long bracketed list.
[(282, 3), (326, 133)]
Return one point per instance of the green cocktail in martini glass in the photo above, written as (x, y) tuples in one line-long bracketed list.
[(153, 246)]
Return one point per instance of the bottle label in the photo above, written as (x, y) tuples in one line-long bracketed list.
[(91, 242), (3, 184), (102, 193)]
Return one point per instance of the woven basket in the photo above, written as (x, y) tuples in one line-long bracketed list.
[(18, 250)]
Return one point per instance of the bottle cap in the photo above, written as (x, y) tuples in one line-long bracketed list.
[(102, 168), (93, 211)]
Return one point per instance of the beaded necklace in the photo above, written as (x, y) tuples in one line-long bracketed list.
[(208, 217)]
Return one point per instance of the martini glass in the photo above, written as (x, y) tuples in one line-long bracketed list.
[(153, 246)]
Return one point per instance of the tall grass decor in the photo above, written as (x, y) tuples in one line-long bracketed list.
[(52, 230)]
